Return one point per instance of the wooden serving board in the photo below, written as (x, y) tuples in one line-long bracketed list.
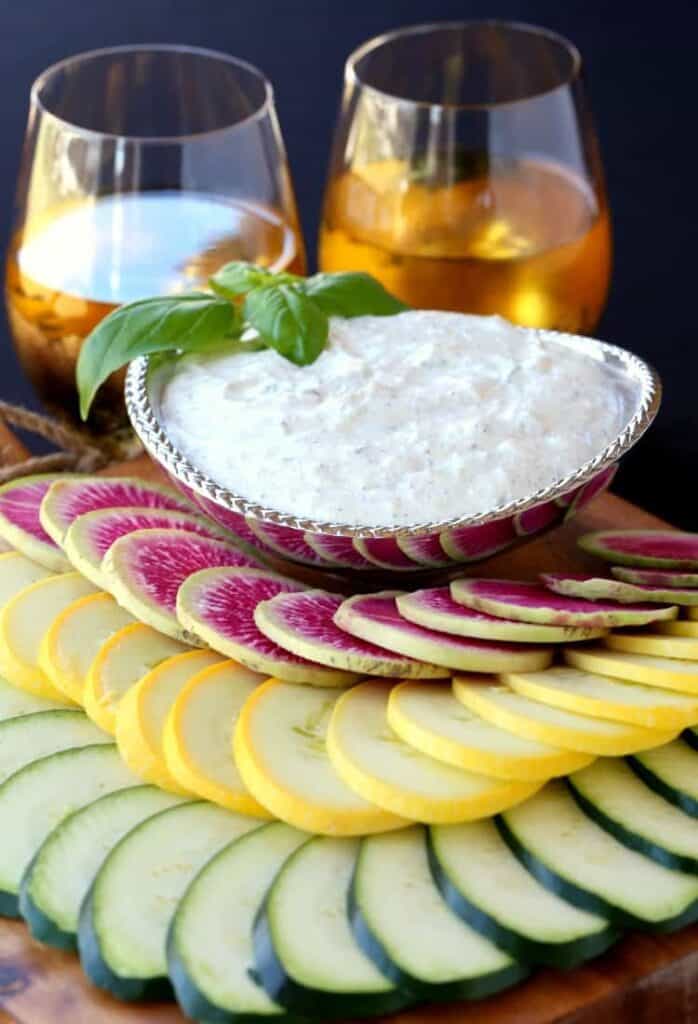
[(646, 979)]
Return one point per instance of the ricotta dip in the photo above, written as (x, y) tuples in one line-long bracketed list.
[(419, 417)]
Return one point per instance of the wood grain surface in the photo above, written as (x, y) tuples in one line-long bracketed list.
[(646, 979)]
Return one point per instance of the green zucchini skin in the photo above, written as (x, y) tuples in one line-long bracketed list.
[(659, 854), (685, 803), (421, 991), (562, 955), (100, 973), (690, 736), (42, 928), (285, 990), (195, 1004), (9, 905), (586, 900)]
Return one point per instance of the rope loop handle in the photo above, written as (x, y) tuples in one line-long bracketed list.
[(77, 454)]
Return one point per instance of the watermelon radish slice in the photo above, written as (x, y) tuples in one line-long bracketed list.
[(218, 606), (586, 494), (337, 551), (303, 623), (474, 543), (653, 549), (376, 619), (425, 550), (145, 569), (531, 602), (20, 523), (436, 609), (234, 522), (598, 588), (656, 577), (92, 535), (535, 520), (286, 542), (67, 499), (384, 553)]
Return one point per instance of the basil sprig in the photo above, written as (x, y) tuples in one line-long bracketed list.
[(250, 307)]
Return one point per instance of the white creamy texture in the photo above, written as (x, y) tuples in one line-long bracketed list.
[(423, 416)]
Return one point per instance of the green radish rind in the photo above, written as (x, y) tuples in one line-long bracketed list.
[(380, 997), (655, 577), (636, 831), (252, 861), (600, 544), (383, 948), (541, 863), (670, 789), (49, 924), (595, 588), (519, 943)]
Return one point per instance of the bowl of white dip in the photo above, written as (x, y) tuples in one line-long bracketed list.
[(415, 442)]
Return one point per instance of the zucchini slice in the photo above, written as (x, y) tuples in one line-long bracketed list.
[(58, 878), (30, 737), (16, 703), (124, 919), (611, 794), (671, 771), (403, 924), (575, 858), (489, 888), (37, 798), (210, 952), (567, 729), (384, 770), (143, 710), (599, 696), (305, 954)]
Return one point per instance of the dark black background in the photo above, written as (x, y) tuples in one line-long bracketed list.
[(641, 64)]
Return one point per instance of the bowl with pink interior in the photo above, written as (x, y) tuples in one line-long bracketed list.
[(362, 547)]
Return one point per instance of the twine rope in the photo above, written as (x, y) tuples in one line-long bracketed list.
[(78, 452)]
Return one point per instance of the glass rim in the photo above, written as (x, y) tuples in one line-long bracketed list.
[(352, 76), (263, 109)]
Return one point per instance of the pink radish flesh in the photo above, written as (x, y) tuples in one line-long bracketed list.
[(530, 602), (20, 504), (107, 526), (287, 542), (338, 551), (384, 553)]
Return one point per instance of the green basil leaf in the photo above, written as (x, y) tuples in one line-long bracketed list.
[(238, 278), (190, 323), (289, 321), (351, 295)]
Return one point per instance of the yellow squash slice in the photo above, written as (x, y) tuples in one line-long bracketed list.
[(383, 769), (122, 661), (17, 572), (198, 736), (603, 697), (682, 647), (74, 639), (143, 710), (280, 751), (692, 613), (24, 621), (430, 719), (680, 627), (665, 673), (525, 717)]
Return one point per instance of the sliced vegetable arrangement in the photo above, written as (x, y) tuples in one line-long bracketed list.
[(521, 817)]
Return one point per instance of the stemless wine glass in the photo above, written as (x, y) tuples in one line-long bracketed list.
[(466, 175), (144, 169)]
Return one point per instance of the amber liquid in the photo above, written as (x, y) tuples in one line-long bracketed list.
[(66, 272), (525, 239)]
